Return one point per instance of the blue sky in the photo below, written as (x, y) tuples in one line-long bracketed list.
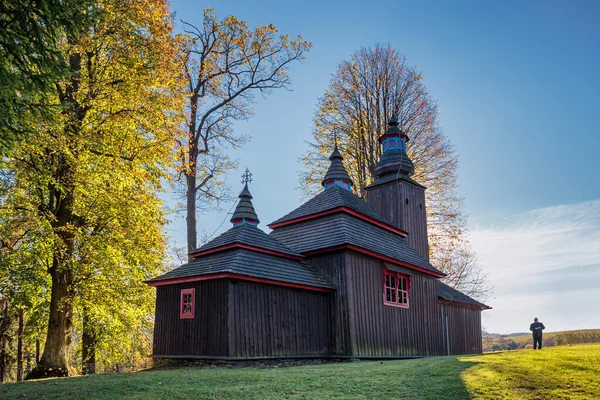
[(518, 90)]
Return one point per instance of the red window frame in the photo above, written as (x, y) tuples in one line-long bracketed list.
[(187, 298), (396, 288)]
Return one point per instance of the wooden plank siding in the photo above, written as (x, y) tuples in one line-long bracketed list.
[(205, 334), (332, 267), (464, 329), (390, 200), (381, 330), (245, 320), (274, 321)]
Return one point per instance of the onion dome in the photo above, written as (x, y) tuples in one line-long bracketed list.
[(336, 174), (393, 159), (244, 212)]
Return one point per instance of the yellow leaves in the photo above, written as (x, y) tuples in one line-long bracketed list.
[(118, 151)]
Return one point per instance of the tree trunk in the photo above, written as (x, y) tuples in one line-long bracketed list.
[(88, 346), (37, 351), (4, 338), (55, 360), (20, 347), (192, 234), (59, 211)]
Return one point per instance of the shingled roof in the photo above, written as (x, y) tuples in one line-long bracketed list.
[(393, 177), (248, 235), (329, 199), (245, 209), (445, 292), (341, 229), (336, 169), (249, 263)]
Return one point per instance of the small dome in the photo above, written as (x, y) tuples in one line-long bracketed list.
[(393, 155), (244, 212), (337, 174)]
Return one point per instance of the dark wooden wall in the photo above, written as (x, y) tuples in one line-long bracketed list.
[(205, 334), (272, 321), (390, 199), (464, 329), (381, 330), (332, 267), (250, 320)]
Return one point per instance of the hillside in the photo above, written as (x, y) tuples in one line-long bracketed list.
[(513, 341), (558, 372)]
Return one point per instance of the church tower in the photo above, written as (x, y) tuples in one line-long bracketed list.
[(394, 194)]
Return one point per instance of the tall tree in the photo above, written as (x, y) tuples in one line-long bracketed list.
[(31, 62), (226, 65), (366, 89), (89, 181)]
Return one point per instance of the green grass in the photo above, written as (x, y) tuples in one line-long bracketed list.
[(554, 373), (564, 372)]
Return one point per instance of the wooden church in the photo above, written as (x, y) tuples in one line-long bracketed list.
[(337, 277)]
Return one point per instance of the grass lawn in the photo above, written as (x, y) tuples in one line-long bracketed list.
[(553, 373)]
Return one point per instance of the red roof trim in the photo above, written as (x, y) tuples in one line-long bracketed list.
[(393, 134), (463, 304), (222, 275), (347, 210), (245, 246), (374, 254)]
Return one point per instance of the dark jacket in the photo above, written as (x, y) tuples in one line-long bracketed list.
[(534, 329)]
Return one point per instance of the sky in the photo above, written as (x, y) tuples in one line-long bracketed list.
[(517, 86)]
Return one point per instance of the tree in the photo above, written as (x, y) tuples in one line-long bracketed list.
[(31, 62), (463, 272), (88, 181), (374, 83), (226, 65)]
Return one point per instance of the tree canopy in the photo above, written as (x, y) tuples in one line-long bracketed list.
[(366, 90), (226, 65), (87, 182), (31, 61)]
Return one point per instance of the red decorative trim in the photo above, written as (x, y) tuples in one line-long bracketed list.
[(182, 314), (463, 304), (347, 210), (222, 275), (396, 275), (247, 247), (388, 135), (374, 254)]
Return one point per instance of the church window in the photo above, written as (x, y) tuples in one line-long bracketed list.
[(401, 144), (396, 289), (186, 304)]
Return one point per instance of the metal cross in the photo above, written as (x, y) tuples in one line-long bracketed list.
[(246, 177)]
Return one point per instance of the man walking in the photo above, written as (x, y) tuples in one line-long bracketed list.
[(536, 328)]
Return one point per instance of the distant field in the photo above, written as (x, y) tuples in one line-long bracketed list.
[(508, 342), (568, 372)]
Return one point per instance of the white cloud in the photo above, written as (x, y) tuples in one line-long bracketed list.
[(544, 263)]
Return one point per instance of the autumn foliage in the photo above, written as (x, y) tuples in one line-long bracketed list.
[(83, 192), (354, 111)]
